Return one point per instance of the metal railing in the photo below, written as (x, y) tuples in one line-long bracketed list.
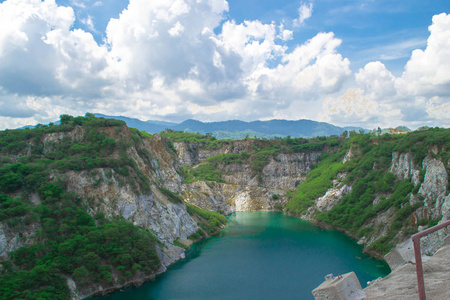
[(416, 241)]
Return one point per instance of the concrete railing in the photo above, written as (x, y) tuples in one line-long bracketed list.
[(416, 241)]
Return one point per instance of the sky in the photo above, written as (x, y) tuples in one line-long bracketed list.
[(368, 63)]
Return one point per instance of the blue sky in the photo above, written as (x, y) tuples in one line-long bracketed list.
[(365, 63), (382, 30)]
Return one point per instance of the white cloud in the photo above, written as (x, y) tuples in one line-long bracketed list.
[(354, 108), (439, 109), (304, 12), (427, 73), (89, 22), (183, 58), (421, 96), (376, 81), (152, 56), (78, 3), (312, 69), (176, 30)]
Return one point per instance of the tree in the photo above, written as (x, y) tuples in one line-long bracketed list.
[(66, 119), (81, 274), (344, 134), (78, 120), (89, 116)]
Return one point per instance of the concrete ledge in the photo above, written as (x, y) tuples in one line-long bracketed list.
[(342, 287)]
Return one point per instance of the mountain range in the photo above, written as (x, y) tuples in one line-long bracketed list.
[(239, 129)]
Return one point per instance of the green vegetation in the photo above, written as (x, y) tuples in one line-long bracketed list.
[(317, 182), (171, 196), (70, 243), (261, 151), (369, 175), (204, 141), (94, 149), (239, 135), (93, 249), (66, 241), (208, 221)]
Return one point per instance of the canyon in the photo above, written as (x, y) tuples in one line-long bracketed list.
[(162, 164)]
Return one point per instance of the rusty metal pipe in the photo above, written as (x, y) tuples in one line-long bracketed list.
[(418, 256)]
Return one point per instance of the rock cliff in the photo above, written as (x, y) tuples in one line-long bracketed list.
[(430, 201)]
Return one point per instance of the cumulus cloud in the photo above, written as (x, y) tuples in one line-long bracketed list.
[(439, 109), (376, 80), (355, 108), (427, 72), (180, 59), (40, 55), (312, 69), (421, 95)]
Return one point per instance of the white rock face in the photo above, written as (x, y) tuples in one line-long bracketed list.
[(434, 186), (228, 198), (445, 209), (239, 174), (403, 167), (332, 197), (351, 154), (10, 240), (287, 171), (436, 178), (432, 242), (185, 155), (153, 211)]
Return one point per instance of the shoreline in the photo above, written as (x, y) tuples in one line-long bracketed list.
[(139, 282)]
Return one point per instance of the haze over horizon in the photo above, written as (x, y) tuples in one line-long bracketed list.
[(349, 63)]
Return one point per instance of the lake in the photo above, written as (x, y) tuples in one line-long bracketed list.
[(260, 255)]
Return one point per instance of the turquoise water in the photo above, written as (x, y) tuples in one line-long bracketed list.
[(262, 255)]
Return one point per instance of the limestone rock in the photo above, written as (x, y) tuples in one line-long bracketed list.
[(353, 152), (11, 240), (332, 197), (434, 186), (287, 171), (403, 167), (227, 198)]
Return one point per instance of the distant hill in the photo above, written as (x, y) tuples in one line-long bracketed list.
[(239, 129)]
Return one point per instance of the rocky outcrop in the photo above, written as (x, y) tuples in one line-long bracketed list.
[(227, 198), (287, 170), (194, 153), (283, 172), (11, 239), (434, 186), (244, 190), (153, 211), (352, 153), (332, 196), (163, 163), (402, 167)]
